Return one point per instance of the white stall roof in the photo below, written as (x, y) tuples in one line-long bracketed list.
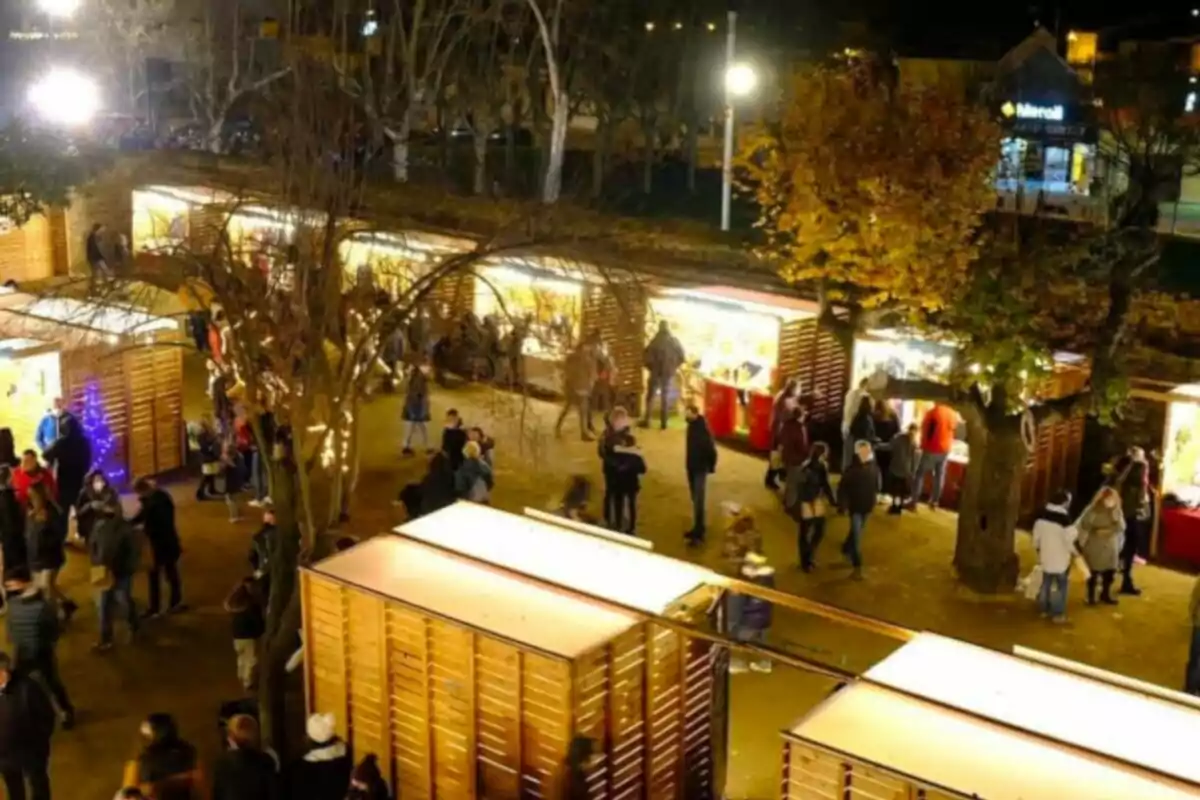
[(603, 569), (782, 306), (1106, 719), (958, 753), (480, 597)]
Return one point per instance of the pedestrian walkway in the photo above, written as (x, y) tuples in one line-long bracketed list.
[(185, 665)]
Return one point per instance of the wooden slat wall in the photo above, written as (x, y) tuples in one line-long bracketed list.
[(664, 723), (698, 730), (27, 253), (168, 409), (809, 352), (627, 715), (454, 296), (60, 241), (451, 714), (206, 224), (619, 313), (590, 709), (812, 774), (139, 373), (1053, 464), (107, 370)]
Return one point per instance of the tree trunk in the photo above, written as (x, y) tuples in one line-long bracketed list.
[(283, 609), (600, 156), (552, 187), (400, 149), (480, 181), (647, 161), (213, 137), (693, 151), (990, 502)]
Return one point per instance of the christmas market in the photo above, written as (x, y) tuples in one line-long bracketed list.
[(167, 218)]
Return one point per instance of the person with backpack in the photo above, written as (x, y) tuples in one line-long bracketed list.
[(937, 440), (663, 358), (808, 497)]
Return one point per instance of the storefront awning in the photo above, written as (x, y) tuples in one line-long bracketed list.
[(786, 308)]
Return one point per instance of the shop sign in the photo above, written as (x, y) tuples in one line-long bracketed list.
[(1054, 113)]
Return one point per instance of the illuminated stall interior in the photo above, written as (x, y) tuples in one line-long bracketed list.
[(30, 379), (388, 261), (120, 369), (166, 217), (264, 239), (1179, 525)]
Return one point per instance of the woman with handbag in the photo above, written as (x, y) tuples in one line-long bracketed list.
[(807, 497)]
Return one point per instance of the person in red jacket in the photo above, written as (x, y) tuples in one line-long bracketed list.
[(31, 472), (937, 439)]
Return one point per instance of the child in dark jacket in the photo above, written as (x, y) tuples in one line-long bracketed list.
[(245, 608)]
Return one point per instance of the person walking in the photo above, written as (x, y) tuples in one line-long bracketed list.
[(1101, 533), (781, 412), (473, 479), (858, 492), (902, 463), (808, 497), (1191, 678), (416, 414), (232, 473), (1054, 540), (248, 621), (579, 379), (94, 252), (208, 444), (700, 461), (45, 537), (26, 726), (70, 455), (1133, 484), (167, 767), (114, 556), (244, 771), (663, 358), (33, 631), (323, 772), (850, 406), (98, 500), (937, 440), (156, 516)]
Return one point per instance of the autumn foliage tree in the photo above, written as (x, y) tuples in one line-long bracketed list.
[(871, 192)]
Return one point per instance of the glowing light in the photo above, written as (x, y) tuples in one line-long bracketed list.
[(712, 26), (101, 438), (59, 8), (741, 80), (65, 97), (649, 26)]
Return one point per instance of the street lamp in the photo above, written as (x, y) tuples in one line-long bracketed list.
[(65, 97), (740, 81), (59, 8)]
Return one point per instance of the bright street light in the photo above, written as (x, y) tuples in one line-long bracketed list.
[(65, 97), (59, 8), (740, 80)]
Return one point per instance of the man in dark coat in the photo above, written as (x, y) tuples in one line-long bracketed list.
[(157, 518), (244, 771), (113, 547), (94, 251), (12, 521), (70, 454), (701, 461), (664, 356), (26, 725), (33, 634), (858, 492)]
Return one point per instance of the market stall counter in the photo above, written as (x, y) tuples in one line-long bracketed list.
[(1179, 522), (740, 346)]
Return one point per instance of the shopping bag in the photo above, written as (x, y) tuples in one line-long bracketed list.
[(1079, 567), (1032, 583)]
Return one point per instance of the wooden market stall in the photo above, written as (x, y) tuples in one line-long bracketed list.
[(35, 250), (867, 742), (166, 218), (1178, 534), (393, 261), (468, 681), (1057, 443), (684, 679), (30, 378), (741, 346), (121, 371)]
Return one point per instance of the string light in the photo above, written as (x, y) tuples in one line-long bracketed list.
[(100, 437)]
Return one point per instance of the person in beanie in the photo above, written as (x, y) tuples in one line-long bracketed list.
[(26, 725), (1054, 539), (245, 607), (33, 631), (366, 782), (323, 772), (157, 518), (700, 460), (244, 771), (857, 494)]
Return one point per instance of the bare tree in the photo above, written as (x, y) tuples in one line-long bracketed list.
[(549, 30), (476, 80)]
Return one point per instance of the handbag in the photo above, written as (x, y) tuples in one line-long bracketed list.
[(101, 577), (1033, 582)]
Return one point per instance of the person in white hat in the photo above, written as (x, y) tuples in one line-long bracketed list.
[(323, 772)]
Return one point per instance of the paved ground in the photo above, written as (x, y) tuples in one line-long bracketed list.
[(185, 663)]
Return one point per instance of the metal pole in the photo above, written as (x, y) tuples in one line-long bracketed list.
[(727, 160)]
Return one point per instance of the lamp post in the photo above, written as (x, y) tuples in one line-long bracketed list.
[(740, 80), (65, 97)]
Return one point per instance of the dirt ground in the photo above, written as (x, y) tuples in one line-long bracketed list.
[(185, 664)]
